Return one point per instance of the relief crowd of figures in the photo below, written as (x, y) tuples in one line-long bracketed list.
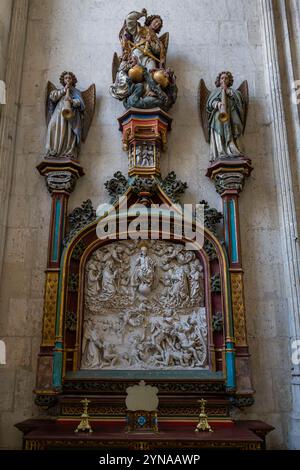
[(152, 302), (165, 342)]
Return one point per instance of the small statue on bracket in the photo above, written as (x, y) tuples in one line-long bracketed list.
[(141, 78), (69, 114), (223, 114)]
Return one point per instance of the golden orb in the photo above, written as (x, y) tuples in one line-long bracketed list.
[(161, 78), (136, 74)]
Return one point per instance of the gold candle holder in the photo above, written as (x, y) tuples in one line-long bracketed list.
[(203, 424), (84, 425)]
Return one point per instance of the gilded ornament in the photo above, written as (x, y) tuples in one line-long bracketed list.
[(49, 315), (238, 308), (84, 425), (136, 74), (203, 424)]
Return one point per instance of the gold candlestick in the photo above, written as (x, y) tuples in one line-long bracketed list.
[(203, 424), (84, 425)]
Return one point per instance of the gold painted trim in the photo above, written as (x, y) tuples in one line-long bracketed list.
[(238, 308), (49, 310)]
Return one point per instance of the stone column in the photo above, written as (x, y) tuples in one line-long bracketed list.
[(286, 204), (229, 176), (9, 111), (60, 176)]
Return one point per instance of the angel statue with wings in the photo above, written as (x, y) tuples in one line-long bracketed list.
[(141, 78), (69, 114), (223, 114)]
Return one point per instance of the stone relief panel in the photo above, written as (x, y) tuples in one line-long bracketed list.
[(144, 308)]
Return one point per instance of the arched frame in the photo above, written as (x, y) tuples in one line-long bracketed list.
[(87, 237)]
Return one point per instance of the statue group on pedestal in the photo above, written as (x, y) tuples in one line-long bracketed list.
[(142, 80)]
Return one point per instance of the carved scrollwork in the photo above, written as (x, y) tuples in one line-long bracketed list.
[(94, 386), (229, 180), (144, 184), (78, 250), (216, 283), (60, 181), (73, 282), (45, 401), (241, 401), (217, 321), (71, 320), (210, 250)]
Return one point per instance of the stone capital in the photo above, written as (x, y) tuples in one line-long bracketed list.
[(60, 175), (229, 175)]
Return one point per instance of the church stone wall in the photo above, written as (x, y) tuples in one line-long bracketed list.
[(205, 38)]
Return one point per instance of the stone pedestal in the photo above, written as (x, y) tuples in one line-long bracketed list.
[(144, 138), (229, 176)]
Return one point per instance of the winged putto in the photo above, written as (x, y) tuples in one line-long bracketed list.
[(69, 114), (223, 114), (140, 76)]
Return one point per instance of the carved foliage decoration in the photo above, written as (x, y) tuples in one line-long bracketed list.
[(79, 218), (173, 187), (116, 186), (119, 184), (217, 321), (144, 308), (212, 217), (216, 283)]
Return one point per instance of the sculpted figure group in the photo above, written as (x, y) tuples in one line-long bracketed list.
[(141, 79), (144, 307), (169, 342), (140, 75)]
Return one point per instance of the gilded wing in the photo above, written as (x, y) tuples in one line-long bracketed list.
[(115, 66), (89, 98), (203, 94), (244, 90), (164, 38), (50, 106)]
